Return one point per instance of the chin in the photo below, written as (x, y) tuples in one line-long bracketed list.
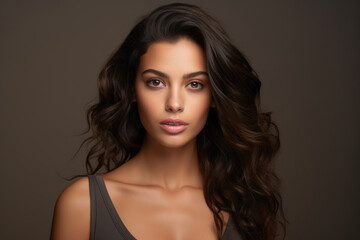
[(174, 143)]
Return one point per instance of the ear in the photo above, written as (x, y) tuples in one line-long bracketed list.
[(134, 98)]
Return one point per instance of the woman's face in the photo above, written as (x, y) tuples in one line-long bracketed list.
[(172, 91)]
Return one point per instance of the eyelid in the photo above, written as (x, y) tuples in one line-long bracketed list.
[(152, 80), (199, 82)]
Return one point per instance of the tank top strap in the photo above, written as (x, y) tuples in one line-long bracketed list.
[(105, 222), (93, 193)]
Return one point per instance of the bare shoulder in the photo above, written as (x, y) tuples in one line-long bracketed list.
[(72, 212), (75, 196)]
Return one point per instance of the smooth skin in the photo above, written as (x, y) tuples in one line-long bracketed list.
[(158, 193)]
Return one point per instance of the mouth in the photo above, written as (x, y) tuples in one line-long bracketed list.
[(173, 126)]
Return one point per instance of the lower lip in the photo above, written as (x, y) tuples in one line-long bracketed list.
[(173, 128)]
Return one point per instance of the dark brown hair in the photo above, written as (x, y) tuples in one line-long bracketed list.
[(237, 145)]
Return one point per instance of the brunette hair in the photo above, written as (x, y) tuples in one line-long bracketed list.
[(238, 142)]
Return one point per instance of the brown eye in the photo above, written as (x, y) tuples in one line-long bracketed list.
[(195, 85), (154, 82)]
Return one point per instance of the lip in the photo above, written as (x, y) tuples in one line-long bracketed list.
[(173, 129)]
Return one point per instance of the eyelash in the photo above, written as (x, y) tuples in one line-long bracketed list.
[(152, 80)]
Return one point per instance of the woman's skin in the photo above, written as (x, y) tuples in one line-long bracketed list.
[(158, 193)]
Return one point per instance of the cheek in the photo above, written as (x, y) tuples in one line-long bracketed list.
[(148, 107), (200, 108)]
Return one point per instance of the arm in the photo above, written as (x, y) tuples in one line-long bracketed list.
[(72, 213)]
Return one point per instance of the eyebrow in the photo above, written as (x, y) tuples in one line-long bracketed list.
[(185, 76)]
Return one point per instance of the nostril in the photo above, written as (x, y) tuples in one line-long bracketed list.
[(174, 101), (174, 108)]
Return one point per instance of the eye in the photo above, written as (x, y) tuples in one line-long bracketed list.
[(196, 85), (154, 83)]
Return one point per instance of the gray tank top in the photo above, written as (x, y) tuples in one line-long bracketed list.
[(106, 223)]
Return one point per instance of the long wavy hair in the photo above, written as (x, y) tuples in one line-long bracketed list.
[(238, 142)]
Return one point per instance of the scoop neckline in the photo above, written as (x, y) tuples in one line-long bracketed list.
[(119, 224)]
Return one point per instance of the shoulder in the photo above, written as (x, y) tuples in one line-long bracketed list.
[(72, 212), (75, 196)]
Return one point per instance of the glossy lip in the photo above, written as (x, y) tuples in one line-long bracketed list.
[(173, 129)]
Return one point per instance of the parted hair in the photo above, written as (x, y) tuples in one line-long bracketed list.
[(238, 143)]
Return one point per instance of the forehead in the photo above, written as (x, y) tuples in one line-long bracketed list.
[(183, 55)]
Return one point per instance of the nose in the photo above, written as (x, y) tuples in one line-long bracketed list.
[(174, 101)]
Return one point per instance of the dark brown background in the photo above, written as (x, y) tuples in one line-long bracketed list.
[(306, 53)]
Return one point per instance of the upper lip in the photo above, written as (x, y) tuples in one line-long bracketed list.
[(173, 120)]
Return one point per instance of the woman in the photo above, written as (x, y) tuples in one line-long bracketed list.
[(179, 132)]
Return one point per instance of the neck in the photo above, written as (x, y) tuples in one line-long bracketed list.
[(169, 168)]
